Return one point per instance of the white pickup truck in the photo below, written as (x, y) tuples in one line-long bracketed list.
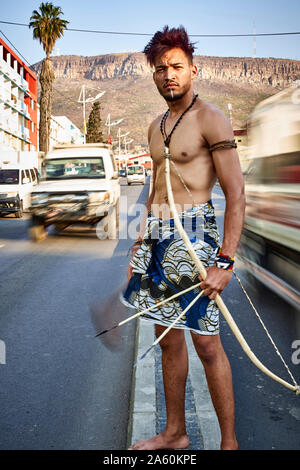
[(79, 184)]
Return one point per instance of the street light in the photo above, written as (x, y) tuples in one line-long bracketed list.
[(82, 99), (120, 136), (229, 106), (109, 124), (127, 142)]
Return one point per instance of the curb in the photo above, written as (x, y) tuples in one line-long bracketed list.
[(142, 424), (143, 407)]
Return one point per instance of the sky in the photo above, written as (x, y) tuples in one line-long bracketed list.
[(139, 16)]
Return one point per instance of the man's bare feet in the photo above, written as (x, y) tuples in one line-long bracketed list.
[(161, 441), (229, 445)]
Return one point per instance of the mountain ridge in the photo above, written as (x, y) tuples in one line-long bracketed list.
[(269, 71), (130, 92)]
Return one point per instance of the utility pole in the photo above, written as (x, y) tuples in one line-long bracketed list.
[(120, 136), (229, 106), (83, 100), (109, 124), (127, 142)]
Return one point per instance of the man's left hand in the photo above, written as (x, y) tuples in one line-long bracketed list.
[(215, 282)]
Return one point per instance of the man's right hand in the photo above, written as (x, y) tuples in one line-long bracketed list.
[(129, 272), (130, 268)]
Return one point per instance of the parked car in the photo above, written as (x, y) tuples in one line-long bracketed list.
[(79, 183), (122, 172), (16, 183), (136, 174)]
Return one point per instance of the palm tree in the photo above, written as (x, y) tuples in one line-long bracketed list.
[(47, 26)]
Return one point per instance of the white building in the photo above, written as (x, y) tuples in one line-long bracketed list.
[(18, 100), (57, 133), (71, 133), (63, 131)]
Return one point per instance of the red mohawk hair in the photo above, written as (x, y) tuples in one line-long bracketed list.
[(167, 39)]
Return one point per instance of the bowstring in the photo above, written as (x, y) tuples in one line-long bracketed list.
[(238, 280)]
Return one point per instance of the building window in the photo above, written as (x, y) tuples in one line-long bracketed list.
[(32, 126)]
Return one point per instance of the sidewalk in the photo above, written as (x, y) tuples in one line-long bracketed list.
[(147, 401)]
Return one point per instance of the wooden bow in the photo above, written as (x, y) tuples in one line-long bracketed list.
[(202, 271)]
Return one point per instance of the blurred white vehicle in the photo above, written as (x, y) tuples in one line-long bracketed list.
[(79, 184), (16, 183), (270, 242), (136, 174)]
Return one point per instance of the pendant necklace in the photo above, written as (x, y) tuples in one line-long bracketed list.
[(166, 137)]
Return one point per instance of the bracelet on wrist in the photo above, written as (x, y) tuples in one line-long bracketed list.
[(223, 261), (137, 243)]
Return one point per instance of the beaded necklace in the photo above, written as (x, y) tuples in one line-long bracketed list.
[(166, 137)]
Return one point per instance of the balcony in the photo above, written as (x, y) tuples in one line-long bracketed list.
[(21, 133), (4, 95), (11, 104), (25, 134), (23, 109), (12, 75), (24, 84), (15, 105)]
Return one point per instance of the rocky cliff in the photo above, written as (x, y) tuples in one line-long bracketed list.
[(259, 71), (131, 94)]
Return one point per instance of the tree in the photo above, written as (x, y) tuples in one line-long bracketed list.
[(48, 26), (94, 132)]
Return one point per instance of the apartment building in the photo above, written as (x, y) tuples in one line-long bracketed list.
[(72, 135), (18, 102), (62, 131)]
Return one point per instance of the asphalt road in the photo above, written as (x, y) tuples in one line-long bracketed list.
[(60, 387)]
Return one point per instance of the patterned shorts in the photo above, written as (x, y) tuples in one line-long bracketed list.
[(162, 267)]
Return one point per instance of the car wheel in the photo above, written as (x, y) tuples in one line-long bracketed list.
[(111, 228), (19, 213), (37, 230)]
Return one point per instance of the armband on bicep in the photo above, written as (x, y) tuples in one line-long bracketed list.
[(224, 144)]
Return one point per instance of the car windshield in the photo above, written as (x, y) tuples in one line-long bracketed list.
[(66, 168), (132, 170), (9, 176)]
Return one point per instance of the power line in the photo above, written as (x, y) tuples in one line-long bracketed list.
[(54, 89), (16, 49), (127, 33)]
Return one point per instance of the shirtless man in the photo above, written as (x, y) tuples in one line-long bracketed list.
[(202, 126)]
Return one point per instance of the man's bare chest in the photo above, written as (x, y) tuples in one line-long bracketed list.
[(186, 143)]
